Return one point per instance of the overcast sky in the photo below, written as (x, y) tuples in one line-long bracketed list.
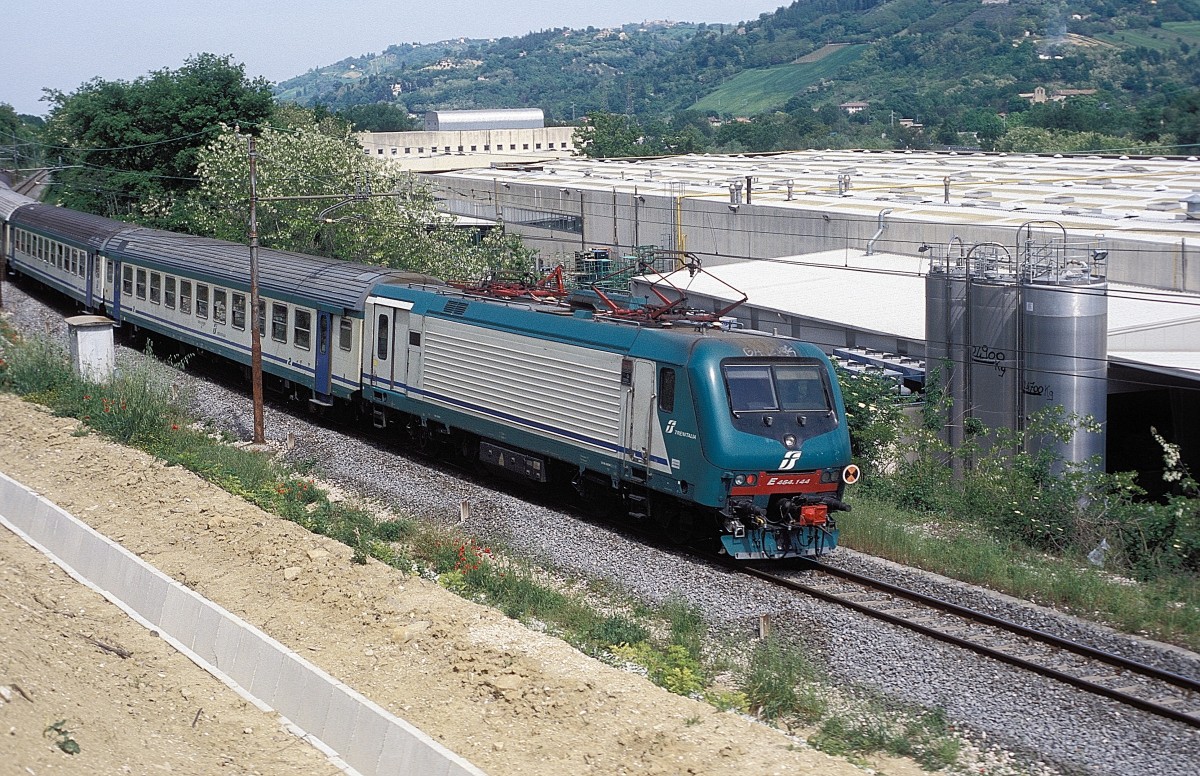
[(60, 44)]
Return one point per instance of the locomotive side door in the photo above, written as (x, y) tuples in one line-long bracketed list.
[(637, 380)]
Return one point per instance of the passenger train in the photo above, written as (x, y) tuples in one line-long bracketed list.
[(732, 433)]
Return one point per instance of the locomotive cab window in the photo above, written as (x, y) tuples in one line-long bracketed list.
[(801, 388), (666, 390), (790, 387)]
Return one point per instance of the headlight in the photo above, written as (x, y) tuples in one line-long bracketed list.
[(789, 441), (739, 480)]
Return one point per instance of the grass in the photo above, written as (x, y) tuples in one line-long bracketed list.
[(925, 736), (1157, 39), (1167, 608), (763, 89)]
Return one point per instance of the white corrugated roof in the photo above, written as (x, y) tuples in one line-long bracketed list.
[(885, 293)]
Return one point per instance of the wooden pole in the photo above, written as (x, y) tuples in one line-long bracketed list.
[(255, 318)]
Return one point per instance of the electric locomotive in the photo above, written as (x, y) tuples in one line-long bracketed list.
[(707, 430)]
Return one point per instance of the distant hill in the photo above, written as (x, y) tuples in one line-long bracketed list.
[(913, 57)]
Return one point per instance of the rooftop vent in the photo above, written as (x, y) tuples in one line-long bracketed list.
[(1192, 205)]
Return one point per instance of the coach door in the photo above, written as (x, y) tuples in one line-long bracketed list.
[(637, 380), (116, 289), (389, 357), (323, 379)]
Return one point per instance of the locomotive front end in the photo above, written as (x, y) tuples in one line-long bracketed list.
[(777, 432)]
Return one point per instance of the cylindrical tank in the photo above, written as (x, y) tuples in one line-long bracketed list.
[(1065, 341), (992, 396), (945, 345)]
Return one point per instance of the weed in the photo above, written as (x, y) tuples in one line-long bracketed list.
[(778, 683), (63, 738)]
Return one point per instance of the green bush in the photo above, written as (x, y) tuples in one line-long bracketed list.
[(36, 368), (778, 683)]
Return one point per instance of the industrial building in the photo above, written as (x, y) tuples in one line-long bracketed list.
[(472, 138), (1082, 273)]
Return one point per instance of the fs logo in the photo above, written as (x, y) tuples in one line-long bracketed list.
[(670, 426), (789, 461)]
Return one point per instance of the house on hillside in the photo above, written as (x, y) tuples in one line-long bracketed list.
[(1040, 95), (853, 107)]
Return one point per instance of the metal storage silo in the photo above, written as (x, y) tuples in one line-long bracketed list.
[(993, 365), (946, 340), (1064, 325)]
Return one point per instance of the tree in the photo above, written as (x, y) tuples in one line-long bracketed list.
[(372, 214), (610, 135), (130, 149), (378, 117)]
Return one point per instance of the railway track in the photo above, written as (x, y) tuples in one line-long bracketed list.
[(1129, 682), (31, 182)]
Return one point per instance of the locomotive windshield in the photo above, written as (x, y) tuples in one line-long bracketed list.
[(789, 387)]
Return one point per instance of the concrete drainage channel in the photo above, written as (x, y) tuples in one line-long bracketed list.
[(359, 736)]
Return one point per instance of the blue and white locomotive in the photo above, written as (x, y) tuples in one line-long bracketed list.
[(706, 430)]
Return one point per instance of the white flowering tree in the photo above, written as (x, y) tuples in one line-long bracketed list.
[(395, 224)]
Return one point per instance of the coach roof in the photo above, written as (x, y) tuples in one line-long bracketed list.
[(328, 284), (82, 229)]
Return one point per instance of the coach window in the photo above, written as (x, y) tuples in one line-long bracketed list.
[(141, 284), (202, 301), (302, 329), (109, 269), (127, 280), (345, 334), (239, 311), (185, 297), (666, 390), (279, 322), (59, 259), (155, 288), (262, 318), (381, 339), (220, 305), (169, 292)]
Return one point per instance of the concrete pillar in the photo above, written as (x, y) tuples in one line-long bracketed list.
[(93, 354)]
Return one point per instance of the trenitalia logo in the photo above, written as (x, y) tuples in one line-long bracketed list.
[(790, 459), (670, 429)]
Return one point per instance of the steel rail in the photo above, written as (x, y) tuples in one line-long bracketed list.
[(1192, 719)]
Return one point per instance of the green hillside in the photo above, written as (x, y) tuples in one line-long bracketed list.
[(958, 68), (757, 91)]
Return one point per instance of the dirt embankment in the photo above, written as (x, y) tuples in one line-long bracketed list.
[(510, 700)]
